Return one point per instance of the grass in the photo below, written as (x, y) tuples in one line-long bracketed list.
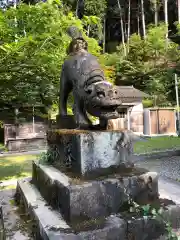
[(157, 144), (2, 147), (13, 167), (19, 166)]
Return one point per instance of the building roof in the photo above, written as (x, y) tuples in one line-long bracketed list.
[(130, 92)]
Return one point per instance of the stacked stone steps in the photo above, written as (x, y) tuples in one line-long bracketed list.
[(53, 214), (48, 223), (88, 198)]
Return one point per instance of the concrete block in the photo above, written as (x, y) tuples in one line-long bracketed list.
[(49, 224), (145, 228), (90, 199), (87, 151), (114, 229)]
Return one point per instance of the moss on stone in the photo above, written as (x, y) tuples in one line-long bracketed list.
[(82, 224), (79, 131)]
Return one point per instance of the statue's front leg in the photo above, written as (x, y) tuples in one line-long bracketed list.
[(65, 89), (81, 118)]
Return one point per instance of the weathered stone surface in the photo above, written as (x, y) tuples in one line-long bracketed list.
[(96, 198), (145, 229), (115, 229), (89, 199), (172, 215), (87, 151), (143, 187), (49, 224)]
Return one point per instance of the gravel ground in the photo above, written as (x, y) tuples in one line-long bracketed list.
[(169, 176), (166, 167), (15, 227)]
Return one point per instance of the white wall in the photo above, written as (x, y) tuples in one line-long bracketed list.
[(136, 118)]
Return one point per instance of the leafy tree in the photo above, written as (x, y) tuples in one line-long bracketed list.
[(33, 48), (147, 65), (97, 8)]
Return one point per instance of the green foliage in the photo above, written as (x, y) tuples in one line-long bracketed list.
[(147, 103), (97, 8), (148, 211), (93, 26), (146, 66), (33, 48), (43, 158)]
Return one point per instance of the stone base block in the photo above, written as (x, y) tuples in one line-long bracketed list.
[(114, 228), (49, 224), (87, 151), (77, 198)]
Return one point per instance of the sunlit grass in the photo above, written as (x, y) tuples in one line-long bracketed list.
[(13, 167), (157, 144)]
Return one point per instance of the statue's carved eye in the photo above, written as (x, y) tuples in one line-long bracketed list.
[(101, 94), (89, 91)]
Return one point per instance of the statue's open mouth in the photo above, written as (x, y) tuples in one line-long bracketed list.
[(106, 112)]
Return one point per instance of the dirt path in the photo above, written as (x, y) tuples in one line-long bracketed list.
[(15, 227)]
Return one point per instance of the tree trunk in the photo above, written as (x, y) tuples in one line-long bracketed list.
[(129, 22), (77, 8), (166, 20), (122, 27), (143, 19), (155, 12), (104, 35), (138, 25), (178, 11), (138, 20)]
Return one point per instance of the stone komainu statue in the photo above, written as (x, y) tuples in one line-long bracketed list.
[(82, 75)]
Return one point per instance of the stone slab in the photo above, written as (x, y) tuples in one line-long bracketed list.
[(149, 228), (115, 229), (94, 198), (86, 151), (26, 144), (51, 226), (145, 228)]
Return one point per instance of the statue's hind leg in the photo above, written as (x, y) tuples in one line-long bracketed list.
[(81, 118)]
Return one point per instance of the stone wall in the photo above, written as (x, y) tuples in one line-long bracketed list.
[(25, 136)]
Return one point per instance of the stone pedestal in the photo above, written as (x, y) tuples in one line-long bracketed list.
[(78, 198), (67, 202), (87, 151)]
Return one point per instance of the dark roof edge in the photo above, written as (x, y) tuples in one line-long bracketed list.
[(141, 94)]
